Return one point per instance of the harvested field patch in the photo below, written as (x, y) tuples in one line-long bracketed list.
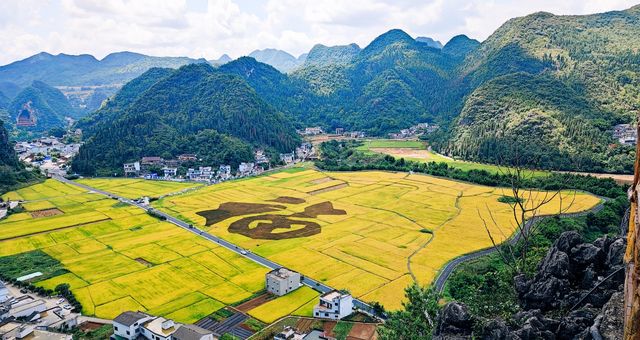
[(144, 262), (322, 191), (255, 302), (321, 180), (324, 208), (267, 225), (288, 200), (232, 209), (46, 213), (362, 331)]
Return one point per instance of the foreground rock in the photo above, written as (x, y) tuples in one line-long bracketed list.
[(576, 294)]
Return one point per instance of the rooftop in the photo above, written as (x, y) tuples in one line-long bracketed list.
[(334, 294), (190, 332), (129, 318), (156, 326), (282, 273)]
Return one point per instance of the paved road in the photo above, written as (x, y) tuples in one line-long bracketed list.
[(321, 287), (448, 269)]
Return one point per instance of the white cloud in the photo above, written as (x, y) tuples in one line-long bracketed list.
[(171, 28)]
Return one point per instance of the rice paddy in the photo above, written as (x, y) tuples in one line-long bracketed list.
[(350, 230), (137, 187), (359, 233), (118, 258)]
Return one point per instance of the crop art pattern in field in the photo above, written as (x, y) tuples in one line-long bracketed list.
[(364, 225), (271, 226), (116, 257)]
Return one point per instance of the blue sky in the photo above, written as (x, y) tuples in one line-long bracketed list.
[(209, 28)]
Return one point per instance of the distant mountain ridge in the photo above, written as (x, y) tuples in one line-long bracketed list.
[(430, 42), (84, 69), (279, 59)]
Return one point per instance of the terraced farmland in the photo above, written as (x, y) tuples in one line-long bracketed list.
[(117, 257), (355, 230)]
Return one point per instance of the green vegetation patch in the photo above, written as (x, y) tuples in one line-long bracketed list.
[(342, 329), (15, 266)]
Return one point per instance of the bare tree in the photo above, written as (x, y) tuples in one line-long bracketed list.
[(526, 205)]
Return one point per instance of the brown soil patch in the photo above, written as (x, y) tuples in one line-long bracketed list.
[(89, 326), (255, 302), (324, 208), (231, 209), (321, 180), (331, 188), (304, 325), (144, 262), (288, 200), (361, 331), (46, 213), (328, 327), (268, 223)]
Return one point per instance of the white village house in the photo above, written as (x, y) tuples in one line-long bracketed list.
[(127, 325), (282, 281), (334, 305), (137, 325)]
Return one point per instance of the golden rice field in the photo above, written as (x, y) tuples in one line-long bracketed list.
[(137, 187), (366, 249), (119, 258), (298, 302)]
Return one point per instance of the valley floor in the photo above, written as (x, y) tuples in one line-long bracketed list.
[(370, 232)]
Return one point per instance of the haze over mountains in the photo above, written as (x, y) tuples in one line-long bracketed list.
[(561, 81)]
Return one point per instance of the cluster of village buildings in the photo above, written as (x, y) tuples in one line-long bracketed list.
[(50, 154), (210, 174), (28, 316), (415, 131), (626, 134), (316, 130)]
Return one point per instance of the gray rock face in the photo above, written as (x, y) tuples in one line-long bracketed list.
[(613, 317), (454, 320), (573, 283)]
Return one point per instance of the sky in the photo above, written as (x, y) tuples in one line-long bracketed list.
[(209, 28)]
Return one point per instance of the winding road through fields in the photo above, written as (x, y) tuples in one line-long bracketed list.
[(448, 269), (319, 286)]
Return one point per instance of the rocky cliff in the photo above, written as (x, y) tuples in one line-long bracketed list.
[(575, 294)]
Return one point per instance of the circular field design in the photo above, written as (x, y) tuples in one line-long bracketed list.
[(269, 225)]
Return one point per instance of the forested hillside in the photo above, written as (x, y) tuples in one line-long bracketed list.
[(12, 172), (581, 76), (40, 106), (195, 109), (392, 83)]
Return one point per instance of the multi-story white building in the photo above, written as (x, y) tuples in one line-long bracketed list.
[(334, 305), (245, 168), (282, 281), (131, 169), (128, 325)]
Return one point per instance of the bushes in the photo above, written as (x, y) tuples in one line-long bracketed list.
[(64, 291)]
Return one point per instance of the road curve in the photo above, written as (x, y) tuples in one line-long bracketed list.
[(316, 285), (447, 270)]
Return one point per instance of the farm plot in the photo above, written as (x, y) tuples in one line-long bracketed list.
[(115, 257), (360, 234), (137, 187)]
